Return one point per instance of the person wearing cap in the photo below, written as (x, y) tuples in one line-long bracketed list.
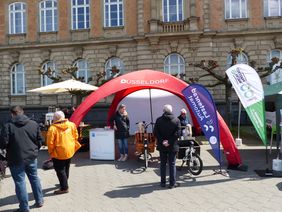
[(121, 126), (166, 130), (62, 142), (185, 123)]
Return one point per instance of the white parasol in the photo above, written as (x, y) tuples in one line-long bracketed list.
[(65, 86)]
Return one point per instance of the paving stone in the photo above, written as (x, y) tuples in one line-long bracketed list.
[(103, 186)]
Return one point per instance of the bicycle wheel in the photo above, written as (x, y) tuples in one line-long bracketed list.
[(195, 165), (146, 158)]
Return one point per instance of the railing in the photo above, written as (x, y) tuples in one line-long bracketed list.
[(157, 26), (174, 27), (189, 24)]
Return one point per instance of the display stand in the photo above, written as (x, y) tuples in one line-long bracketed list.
[(102, 144)]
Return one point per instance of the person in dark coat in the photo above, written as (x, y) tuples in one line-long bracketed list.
[(121, 126), (186, 127), (22, 139), (167, 131)]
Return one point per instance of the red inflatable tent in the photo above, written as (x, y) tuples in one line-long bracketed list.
[(145, 79)]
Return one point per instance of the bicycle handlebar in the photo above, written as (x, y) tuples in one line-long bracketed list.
[(146, 125)]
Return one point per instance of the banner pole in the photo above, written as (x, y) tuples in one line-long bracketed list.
[(220, 171), (151, 109), (268, 172), (239, 119)]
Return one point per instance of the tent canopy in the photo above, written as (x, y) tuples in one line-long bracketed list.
[(146, 105), (274, 89), (274, 93), (150, 79)]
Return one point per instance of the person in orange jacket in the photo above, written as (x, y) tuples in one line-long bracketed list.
[(62, 142)]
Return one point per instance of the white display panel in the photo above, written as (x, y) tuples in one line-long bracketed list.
[(102, 144)]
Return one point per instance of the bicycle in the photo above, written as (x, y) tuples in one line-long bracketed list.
[(145, 143), (188, 154)]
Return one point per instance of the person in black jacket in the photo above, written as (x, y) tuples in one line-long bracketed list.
[(186, 128), (22, 139), (121, 127), (167, 131)]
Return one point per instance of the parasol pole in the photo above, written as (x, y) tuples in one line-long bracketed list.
[(151, 110)]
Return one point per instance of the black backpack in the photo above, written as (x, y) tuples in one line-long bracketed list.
[(47, 164)]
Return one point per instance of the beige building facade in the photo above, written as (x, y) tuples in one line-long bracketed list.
[(163, 35)]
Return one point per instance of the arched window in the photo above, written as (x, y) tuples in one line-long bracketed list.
[(172, 10), (113, 13), (80, 14), (48, 66), (174, 64), (17, 79), (48, 16), (274, 53), (242, 58), (83, 72), (113, 67), (17, 18), (276, 76)]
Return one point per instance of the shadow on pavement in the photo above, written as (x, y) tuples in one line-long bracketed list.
[(47, 192), (11, 200), (134, 191), (279, 186)]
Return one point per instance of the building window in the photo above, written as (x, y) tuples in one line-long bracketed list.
[(17, 79), (276, 75), (274, 53), (113, 12), (113, 68), (80, 14), (241, 58), (48, 67), (82, 73), (48, 16), (272, 8), (17, 18), (174, 64), (235, 9), (172, 10)]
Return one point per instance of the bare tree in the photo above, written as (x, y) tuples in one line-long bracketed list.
[(210, 69), (72, 71), (99, 79)]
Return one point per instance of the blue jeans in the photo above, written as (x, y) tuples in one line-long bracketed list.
[(123, 146), (18, 173), (169, 156)]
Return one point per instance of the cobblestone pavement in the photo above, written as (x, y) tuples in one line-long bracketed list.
[(126, 186)]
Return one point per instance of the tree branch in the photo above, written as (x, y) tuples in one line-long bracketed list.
[(215, 84), (210, 69)]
